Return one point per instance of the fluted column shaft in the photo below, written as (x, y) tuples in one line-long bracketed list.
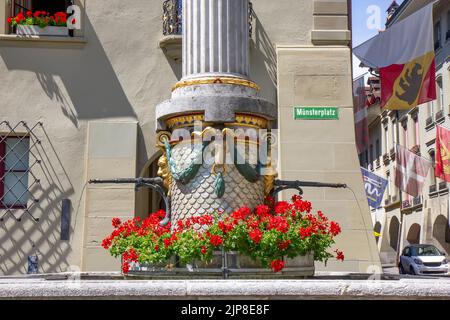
[(215, 38)]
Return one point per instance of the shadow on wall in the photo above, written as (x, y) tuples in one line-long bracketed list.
[(413, 236), (394, 229), (20, 239), (81, 80), (441, 234), (262, 53), (389, 241)]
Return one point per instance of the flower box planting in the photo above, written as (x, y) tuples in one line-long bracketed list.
[(40, 23), (268, 239)]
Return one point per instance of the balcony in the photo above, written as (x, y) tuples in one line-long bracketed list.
[(429, 123), (440, 116), (406, 204), (387, 201), (386, 159), (392, 153), (172, 17), (416, 150), (417, 201), (171, 42), (433, 189)]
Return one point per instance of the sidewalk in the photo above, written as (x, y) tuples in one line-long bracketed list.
[(408, 288)]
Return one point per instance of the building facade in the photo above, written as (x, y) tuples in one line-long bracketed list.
[(83, 107), (402, 219)]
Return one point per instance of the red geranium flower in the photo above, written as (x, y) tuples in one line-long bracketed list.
[(204, 250), (216, 240), (256, 235), (225, 227), (9, 20), (106, 243), (125, 267), (262, 210), (116, 222), (284, 245), (281, 207), (167, 243), (335, 229), (305, 232), (339, 255), (241, 214), (277, 265), (29, 14)]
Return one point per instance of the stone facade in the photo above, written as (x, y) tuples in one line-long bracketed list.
[(425, 218), (96, 95)]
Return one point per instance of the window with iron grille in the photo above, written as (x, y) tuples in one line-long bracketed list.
[(14, 168), (20, 160)]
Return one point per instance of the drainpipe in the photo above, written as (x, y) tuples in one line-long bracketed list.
[(400, 197)]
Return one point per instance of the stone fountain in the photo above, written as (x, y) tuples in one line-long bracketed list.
[(213, 130)]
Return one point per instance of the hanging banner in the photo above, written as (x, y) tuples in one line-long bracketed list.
[(375, 187)]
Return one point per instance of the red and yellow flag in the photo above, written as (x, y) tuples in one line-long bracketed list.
[(442, 167), (404, 55)]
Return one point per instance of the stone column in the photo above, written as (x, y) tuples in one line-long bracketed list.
[(216, 34)]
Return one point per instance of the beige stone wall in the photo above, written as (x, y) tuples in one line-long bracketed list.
[(111, 150)]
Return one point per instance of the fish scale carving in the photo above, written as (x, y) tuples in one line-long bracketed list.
[(198, 196)]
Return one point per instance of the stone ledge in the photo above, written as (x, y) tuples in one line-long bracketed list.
[(39, 41), (171, 45), (330, 37), (330, 7), (19, 288)]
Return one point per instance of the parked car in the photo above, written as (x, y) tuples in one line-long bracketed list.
[(422, 259)]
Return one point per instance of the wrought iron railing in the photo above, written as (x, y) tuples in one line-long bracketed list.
[(433, 188), (440, 115), (406, 204), (386, 158), (392, 153), (429, 121), (173, 17), (417, 201)]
